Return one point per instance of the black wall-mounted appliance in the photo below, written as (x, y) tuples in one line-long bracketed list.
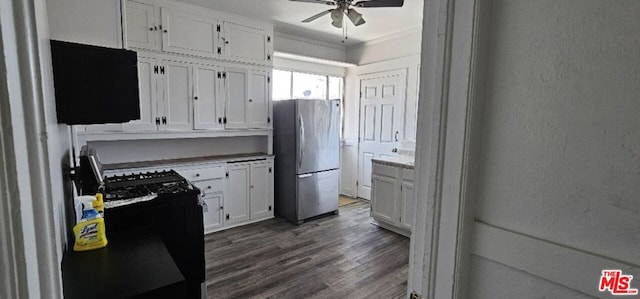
[(94, 85)]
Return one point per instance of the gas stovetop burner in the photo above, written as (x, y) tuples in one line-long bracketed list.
[(164, 183)]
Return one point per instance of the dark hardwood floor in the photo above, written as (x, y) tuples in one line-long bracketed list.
[(342, 256)]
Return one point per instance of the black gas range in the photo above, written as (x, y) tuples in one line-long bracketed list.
[(137, 185), (167, 203)]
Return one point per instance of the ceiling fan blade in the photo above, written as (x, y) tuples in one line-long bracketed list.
[(312, 18), (316, 1), (355, 17), (380, 3)]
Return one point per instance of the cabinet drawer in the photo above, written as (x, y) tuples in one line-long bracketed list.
[(382, 169), (201, 174), (208, 187), (408, 174)]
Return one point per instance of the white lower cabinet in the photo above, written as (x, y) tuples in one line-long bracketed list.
[(250, 189), (392, 202), (232, 193), (237, 201)]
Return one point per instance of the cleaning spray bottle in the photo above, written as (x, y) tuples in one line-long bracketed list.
[(90, 230)]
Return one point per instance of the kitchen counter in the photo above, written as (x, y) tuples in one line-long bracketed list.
[(401, 161), (183, 161)]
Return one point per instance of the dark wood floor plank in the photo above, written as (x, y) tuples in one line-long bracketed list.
[(338, 256)]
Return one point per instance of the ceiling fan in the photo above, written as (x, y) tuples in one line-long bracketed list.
[(345, 7)]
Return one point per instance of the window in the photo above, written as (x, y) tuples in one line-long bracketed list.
[(295, 85)]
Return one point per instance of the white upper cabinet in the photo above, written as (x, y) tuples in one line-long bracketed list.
[(148, 92), (236, 90), (141, 25), (208, 98), (246, 43), (178, 99), (259, 104), (186, 33), (174, 27)]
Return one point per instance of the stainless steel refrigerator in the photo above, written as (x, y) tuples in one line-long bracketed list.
[(306, 143)]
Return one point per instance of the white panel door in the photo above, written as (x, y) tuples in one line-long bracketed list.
[(148, 92), (186, 33), (258, 110), (383, 203), (407, 205), (236, 207), (382, 100), (237, 96), (261, 190), (142, 26), (245, 43), (207, 97), (178, 96)]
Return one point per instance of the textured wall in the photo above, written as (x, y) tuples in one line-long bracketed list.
[(560, 157)]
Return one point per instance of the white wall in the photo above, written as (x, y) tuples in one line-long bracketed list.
[(94, 22), (399, 45), (308, 67), (307, 47), (163, 149), (557, 195)]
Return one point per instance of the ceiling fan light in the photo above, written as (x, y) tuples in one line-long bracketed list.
[(355, 17), (336, 17)]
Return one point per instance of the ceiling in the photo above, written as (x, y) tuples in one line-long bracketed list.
[(286, 16)]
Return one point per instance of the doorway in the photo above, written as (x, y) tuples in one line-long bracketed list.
[(382, 101)]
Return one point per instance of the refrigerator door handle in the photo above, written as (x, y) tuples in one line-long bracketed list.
[(301, 121), (302, 176)]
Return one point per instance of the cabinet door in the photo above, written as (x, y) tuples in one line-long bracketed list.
[(212, 211), (141, 26), (208, 101), (245, 43), (236, 88), (407, 205), (259, 99), (178, 101), (236, 207), (261, 190), (383, 198), (147, 87), (189, 34)]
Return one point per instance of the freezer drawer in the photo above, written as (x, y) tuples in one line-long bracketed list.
[(317, 193)]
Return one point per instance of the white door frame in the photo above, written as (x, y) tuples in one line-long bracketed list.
[(377, 75), (29, 263), (448, 110)]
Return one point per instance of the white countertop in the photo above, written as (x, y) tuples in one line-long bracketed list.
[(402, 161)]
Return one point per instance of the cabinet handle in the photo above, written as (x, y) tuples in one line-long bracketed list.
[(219, 120), (227, 216), (157, 121), (224, 120), (394, 150), (164, 120), (251, 186), (208, 187), (269, 208), (165, 31), (150, 28), (197, 175), (195, 98), (221, 207), (250, 100)]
